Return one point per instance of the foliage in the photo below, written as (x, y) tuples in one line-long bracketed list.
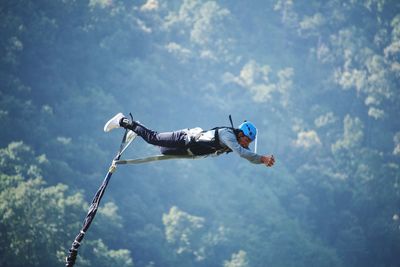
[(320, 79), (37, 220), (237, 260)]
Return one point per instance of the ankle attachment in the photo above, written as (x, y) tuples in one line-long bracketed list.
[(127, 124)]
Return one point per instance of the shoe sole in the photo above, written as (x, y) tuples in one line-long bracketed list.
[(106, 126)]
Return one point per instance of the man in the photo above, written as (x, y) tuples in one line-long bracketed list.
[(196, 141)]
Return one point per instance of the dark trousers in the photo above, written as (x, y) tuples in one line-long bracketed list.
[(170, 143)]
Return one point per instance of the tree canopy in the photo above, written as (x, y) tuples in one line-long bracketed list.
[(320, 80)]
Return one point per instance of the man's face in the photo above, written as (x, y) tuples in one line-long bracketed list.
[(244, 141)]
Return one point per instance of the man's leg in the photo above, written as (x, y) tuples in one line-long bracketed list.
[(174, 151), (175, 139)]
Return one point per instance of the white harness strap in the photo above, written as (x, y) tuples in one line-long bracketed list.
[(155, 158)]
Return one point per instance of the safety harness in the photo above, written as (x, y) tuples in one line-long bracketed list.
[(199, 146)]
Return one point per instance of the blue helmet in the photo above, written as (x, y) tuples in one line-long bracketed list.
[(248, 130)]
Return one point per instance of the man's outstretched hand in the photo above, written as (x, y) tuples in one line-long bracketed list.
[(268, 160)]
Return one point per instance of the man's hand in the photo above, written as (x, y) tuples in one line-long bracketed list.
[(268, 160)]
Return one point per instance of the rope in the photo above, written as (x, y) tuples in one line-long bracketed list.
[(155, 158), (73, 251)]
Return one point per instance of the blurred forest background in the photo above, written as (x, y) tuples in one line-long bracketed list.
[(320, 79)]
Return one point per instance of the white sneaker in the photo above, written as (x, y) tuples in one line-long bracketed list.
[(113, 122)]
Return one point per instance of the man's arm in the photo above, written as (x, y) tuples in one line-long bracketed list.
[(268, 160), (228, 138)]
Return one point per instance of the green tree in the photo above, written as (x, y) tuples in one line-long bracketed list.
[(38, 221), (237, 260)]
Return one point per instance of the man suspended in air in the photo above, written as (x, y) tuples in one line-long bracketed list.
[(195, 141)]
